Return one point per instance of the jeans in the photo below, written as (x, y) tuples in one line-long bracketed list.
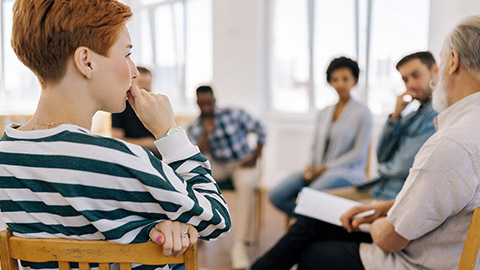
[(313, 245), (284, 194), (387, 188)]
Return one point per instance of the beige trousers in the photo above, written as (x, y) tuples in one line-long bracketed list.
[(245, 181)]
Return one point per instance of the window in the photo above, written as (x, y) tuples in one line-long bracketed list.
[(397, 29), (289, 72), (172, 37), (306, 35), (20, 86), (334, 35), (176, 43)]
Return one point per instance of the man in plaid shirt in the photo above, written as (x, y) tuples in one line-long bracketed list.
[(221, 135)]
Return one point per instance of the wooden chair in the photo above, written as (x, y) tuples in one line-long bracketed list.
[(63, 251), (472, 244)]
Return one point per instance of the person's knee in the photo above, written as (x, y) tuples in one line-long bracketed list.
[(329, 182), (275, 197)]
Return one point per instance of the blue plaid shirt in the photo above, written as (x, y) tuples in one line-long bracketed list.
[(228, 140)]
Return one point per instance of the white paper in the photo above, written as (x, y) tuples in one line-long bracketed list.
[(324, 206)]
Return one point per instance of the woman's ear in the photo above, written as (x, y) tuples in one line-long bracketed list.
[(82, 57)]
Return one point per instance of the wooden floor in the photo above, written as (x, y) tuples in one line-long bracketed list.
[(215, 255)]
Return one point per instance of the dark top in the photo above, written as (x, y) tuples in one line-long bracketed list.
[(130, 124)]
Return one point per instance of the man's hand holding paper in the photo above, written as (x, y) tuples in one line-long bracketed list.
[(351, 223)]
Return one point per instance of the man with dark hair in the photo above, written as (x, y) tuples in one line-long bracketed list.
[(402, 135), (221, 135), (126, 125), (425, 57)]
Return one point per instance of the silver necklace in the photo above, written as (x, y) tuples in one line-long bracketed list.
[(48, 125)]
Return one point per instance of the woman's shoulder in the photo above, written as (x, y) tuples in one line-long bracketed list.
[(360, 106), (122, 154), (106, 147), (326, 109)]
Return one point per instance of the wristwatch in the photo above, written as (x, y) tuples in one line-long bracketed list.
[(173, 130)]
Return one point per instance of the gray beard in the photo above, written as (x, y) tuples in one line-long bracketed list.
[(440, 96)]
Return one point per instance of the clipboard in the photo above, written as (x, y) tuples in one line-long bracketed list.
[(324, 206)]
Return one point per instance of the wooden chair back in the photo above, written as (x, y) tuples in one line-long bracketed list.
[(367, 168), (472, 244), (104, 253)]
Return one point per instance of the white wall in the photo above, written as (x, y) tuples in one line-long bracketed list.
[(444, 15), (237, 58)]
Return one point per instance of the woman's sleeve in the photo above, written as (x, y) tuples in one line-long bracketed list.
[(181, 187), (314, 158)]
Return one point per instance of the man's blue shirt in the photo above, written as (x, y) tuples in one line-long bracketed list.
[(399, 143)]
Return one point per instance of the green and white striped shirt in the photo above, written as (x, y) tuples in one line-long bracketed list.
[(67, 183)]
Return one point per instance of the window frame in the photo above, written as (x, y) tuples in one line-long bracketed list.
[(363, 29)]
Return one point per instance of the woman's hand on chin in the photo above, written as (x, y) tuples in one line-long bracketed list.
[(154, 110)]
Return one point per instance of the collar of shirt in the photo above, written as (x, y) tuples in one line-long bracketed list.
[(217, 111), (12, 131), (453, 113), (425, 108)]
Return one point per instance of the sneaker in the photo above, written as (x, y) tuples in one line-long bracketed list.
[(239, 256)]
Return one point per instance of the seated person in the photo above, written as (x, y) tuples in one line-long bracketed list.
[(126, 125), (425, 227), (59, 180), (341, 140), (402, 136), (221, 135)]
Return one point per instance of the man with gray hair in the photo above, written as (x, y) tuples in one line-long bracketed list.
[(425, 227)]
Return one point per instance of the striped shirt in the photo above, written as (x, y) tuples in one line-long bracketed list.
[(65, 182), (228, 140)]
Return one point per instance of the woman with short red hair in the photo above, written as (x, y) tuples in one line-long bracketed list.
[(59, 180)]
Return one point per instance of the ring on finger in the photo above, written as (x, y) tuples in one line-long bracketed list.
[(185, 234)]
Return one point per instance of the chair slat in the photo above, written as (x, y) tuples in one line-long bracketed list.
[(6, 261), (125, 266), (104, 266), (191, 257), (472, 244), (63, 266), (84, 266)]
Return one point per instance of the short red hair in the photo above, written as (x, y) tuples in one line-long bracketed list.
[(46, 32)]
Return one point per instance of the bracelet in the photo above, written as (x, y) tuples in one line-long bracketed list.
[(172, 130)]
